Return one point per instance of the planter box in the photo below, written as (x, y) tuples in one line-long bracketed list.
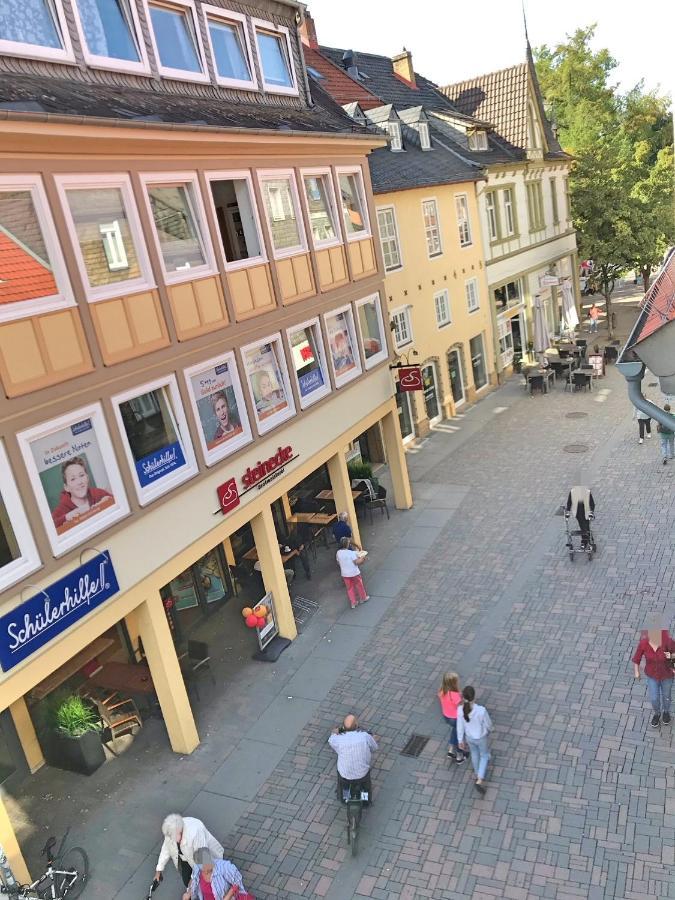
[(83, 755)]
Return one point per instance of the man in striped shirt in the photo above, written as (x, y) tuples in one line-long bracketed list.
[(213, 879), (354, 750)]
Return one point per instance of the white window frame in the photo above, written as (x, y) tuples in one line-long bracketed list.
[(325, 172), (280, 31), (462, 200), (553, 189), (361, 188), (447, 319), (227, 448), (166, 483), (472, 294), (29, 559), (425, 137), (390, 208), (142, 67), (376, 358), (342, 379), (239, 20), (145, 281), (282, 415), (478, 141), (270, 175), (394, 132), (509, 212), (61, 543), (492, 214), (504, 333), (37, 51), (429, 229), (315, 326), (405, 312), (237, 175), (21, 309), (167, 71), (199, 213)]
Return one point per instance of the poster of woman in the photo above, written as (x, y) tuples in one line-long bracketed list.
[(342, 346), (266, 379)]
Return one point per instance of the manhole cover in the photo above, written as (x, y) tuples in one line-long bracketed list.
[(415, 745), (576, 448), (576, 415)]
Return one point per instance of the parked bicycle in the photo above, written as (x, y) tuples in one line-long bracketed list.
[(66, 875)]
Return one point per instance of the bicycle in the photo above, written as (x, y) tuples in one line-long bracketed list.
[(66, 875), (354, 795)]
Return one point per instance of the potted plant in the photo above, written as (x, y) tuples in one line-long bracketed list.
[(359, 470), (74, 741)]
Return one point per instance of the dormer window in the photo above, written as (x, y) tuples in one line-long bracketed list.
[(394, 129), (478, 140), (35, 28), (110, 35), (423, 131)]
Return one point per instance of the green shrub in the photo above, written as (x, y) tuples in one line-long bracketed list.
[(362, 470), (75, 717)]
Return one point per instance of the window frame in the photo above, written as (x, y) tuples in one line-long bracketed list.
[(395, 135), (282, 415), (535, 205), (370, 362), (149, 493), (463, 198), (425, 135), (325, 172), (283, 32), (83, 531), (142, 67), (270, 175), (237, 175), (509, 211), (168, 71), (148, 179), (427, 228), (396, 238), (342, 379), (399, 311), (492, 206), (361, 188), (444, 292), (321, 392), (93, 181), (28, 560), (478, 141), (553, 187), (475, 292), (65, 298), (239, 19), (37, 51)]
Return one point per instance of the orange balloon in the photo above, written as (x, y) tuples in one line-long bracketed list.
[(246, 612)]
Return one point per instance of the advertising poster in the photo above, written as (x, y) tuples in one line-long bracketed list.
[(343, 352), (266, 380), (370, 325), (307, 363), (152, 435), (217, 406), (270, 629)]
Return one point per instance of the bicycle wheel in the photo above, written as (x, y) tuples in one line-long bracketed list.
[(71, 872)]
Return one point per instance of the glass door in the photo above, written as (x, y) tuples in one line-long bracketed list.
[(431, 403), (456, 381), (404, 414)]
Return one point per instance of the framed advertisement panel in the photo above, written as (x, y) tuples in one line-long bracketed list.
[(309, 361), (344, 353), (371, 330), (267, 376), (270, 629)]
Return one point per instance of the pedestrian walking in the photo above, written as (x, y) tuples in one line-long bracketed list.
[(667, 437), (594, 315), (351, 574), (644, 421), (657, 649), (473, 727), (450, 697), (182, 836), (214, 879)]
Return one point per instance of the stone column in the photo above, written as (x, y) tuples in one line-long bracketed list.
[(26, 734), (272, 571), (342, 491), (10, 845), (396, 460)]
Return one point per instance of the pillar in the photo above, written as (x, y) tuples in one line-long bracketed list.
[(286, 504), (26, 734), (166, 675), (341, 486), (229, 552), (10, 845), (398, 467), (272, 571)]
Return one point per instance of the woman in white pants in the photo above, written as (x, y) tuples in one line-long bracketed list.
[(473, 727)]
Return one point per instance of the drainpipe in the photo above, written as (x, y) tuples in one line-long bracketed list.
[(634, 372)]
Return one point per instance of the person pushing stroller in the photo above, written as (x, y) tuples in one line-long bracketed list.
[(581, 505)]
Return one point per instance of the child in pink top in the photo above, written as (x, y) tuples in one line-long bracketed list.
[(450, 697)]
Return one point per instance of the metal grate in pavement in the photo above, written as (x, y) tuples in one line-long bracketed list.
[(575, 448), (560, 511), (576, 415), (416, 743), (303, 610)]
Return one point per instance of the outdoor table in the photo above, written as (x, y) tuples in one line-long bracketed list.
[(547, 374), (127, 678), (328, 495), (317, 518), (252, 555)]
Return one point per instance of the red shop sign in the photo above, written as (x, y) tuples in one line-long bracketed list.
[(228, 495), (410, 378), (258, 476)]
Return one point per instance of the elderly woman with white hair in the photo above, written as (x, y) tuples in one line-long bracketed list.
[(214, 879), (342, 529), (182, 836)]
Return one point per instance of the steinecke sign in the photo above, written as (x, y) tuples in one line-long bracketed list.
[(37, 621)]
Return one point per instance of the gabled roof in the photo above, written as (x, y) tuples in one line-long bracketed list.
[(23, 276), (658, 305), (338, 82)]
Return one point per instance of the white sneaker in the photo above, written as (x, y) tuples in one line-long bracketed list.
[(649, 434), (640, 441)]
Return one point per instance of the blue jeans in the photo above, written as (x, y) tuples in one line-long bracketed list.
[(480, 756), (594, 326), (452, 739), (667, 446), (659, 693)]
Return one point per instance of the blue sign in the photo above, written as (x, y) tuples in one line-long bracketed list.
[(33, 624), (310, 382), (160, 463)]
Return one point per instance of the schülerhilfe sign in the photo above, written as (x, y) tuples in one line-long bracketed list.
[(158, 464), (45, 615)]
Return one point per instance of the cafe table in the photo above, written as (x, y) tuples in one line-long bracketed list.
[(315, 518), (328, 495), (127, 678), (252, 555), (547, 374)]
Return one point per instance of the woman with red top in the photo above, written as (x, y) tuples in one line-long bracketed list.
[(656, 647), (450, 697)]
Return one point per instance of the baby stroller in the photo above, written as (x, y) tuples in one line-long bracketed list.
[(574, 539)]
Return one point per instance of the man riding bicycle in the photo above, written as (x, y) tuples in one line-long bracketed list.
[(354, 749)]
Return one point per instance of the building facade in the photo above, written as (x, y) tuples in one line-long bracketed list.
[(192, 321)]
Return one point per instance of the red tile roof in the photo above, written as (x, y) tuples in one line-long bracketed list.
[(336, 82), (22, 275)]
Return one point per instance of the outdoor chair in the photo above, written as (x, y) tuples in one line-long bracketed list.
[(563, 354), (380, 502), (581, 380), (118, 716), (536, 384), (611, 354), (240, 575)]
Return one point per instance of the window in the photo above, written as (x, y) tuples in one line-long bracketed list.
[(478, 141), (280, 199), (509, 212), (35, 28), (344, 352), (405, 418), (180, 230), (274, 53), (432, 229), (442, 306), (505, 342), (176, 38), (230, 47), (471, 289), (492, 215), (508, 295), (402, 326), (237, 217), (33, 277), (353, 200), (386, 220), (394, 130), (554, 200), (309, 362), (463, 224), (106, 232), (477, 352), (535, 206), (267, 375), (156, 438), (568, 199), (321, 207), (423, 131), (371, 329), (18, 553), (109, 31)]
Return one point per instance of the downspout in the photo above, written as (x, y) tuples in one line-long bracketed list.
[(634, 371)]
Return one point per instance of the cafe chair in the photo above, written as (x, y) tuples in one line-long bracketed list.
[(240, 575), (118, 717), (563, 354), (611, 354), (199, 658), (380, 502), (581, 380), (536, 384)]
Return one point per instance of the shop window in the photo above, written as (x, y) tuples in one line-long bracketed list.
[(321, 207), (110, 34), (196, 593), (176, 38), (282, 210), (309, 361), (353, 201), (156, 439), (35, 28), (371, 329), (33, 278), (508, 295), (267, 375), (237, 217), (463, 223), (274, 53), (230, 48), (432, 228), (342, 341), (391, 252), (477, 352), (18, 553), (405, 418)]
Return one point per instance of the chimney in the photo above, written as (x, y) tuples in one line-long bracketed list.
[(349, 62), (403, 66), (308, 32)]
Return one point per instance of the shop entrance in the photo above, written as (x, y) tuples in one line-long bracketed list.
[(431, 403), (405, 419), (456, 379), (197, 593)]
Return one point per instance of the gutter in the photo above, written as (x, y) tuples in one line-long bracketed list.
[(634, 372)]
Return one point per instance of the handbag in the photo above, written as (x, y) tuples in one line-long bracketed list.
[(242, 895)]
